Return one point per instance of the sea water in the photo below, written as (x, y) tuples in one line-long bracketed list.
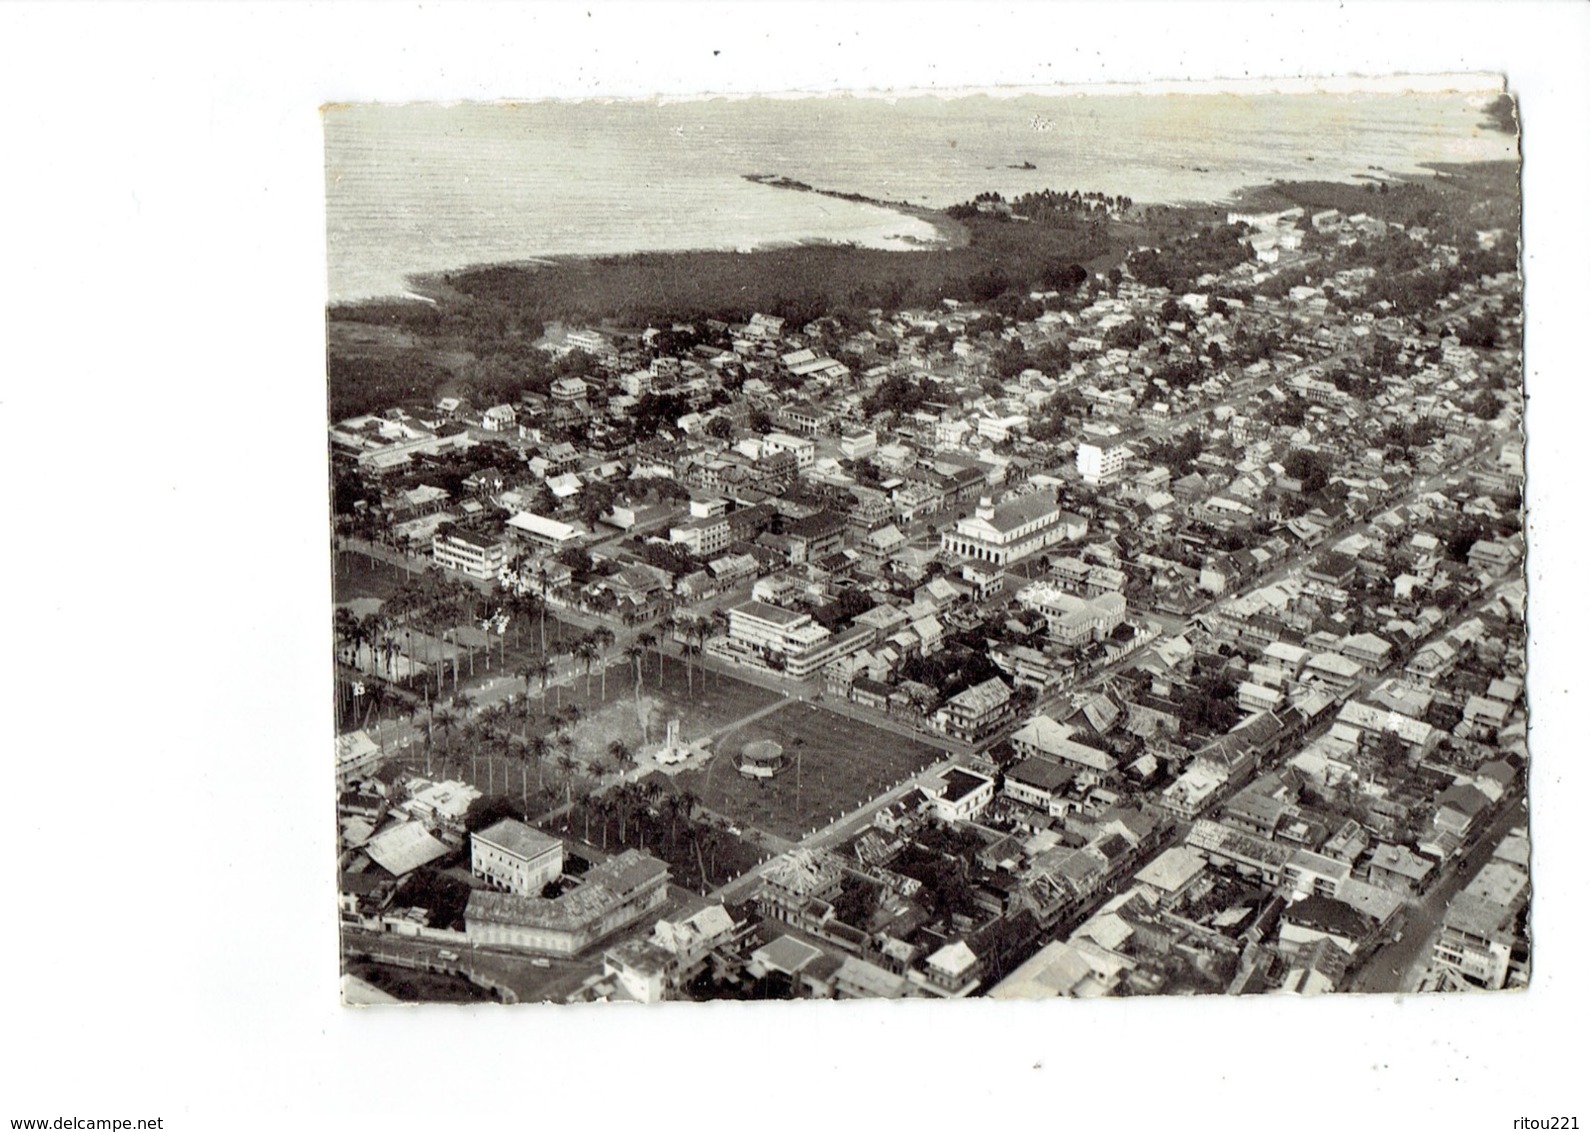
[(414, 189)]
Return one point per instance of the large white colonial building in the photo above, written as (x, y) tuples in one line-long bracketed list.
[(1012, 530), (516, 858)]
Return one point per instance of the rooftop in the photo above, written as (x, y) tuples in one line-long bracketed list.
[(959, 783), (773, 614), (515, 837), (606, 885), (786, 954), (404, 847)]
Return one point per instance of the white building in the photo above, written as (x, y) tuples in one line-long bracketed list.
[(499, 418), (1101, 463), (965, 795), (478, 556), (804, 449), (999, 429), (541, 531), (590, 341), (702, 537), (790, 642), (1012, 530), (516, 858), (1074, 620), (858, 445)]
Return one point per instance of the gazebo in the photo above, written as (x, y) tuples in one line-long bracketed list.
[(761, 758)]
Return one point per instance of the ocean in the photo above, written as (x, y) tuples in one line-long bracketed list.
[(414, 189)]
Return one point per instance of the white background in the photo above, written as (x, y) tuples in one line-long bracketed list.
[(169, 918)]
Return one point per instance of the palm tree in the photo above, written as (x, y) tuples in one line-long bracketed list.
[(605, 810), (672, 804), (372, 627), (648, 640), (343, 627), (688, 649), (541, 576), (585, 651), (603, 638), (496, 716), (472, 732), (687, 803), (447, 719), (539, 748), (700, 629), (535, 669), (558, 651), (635, 653), (568, 765), (651, 789), (623, 799), (666, 624), (623, 758), (516, 750)]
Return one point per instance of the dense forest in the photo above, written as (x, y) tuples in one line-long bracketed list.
[(482, 328)]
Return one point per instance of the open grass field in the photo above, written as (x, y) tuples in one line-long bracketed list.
[(842, 764), (704, 705), (356, 575)]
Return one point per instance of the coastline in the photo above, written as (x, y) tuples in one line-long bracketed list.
[(955, 240), (949, 235), (952, 232)]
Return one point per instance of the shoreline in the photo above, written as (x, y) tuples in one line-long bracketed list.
[(433, 286), (952, 233)]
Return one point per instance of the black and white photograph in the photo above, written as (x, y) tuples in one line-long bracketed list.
[(809, 564), (1020, 545)]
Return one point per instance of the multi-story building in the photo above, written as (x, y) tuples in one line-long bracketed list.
[(792, 882), (499, 418), (805, 418), (1043, 738), (540, 531), (815, 537), (1074, 620), (702, 537), (569, 391), (965, 795), (1012, 530), (787, 641), (357, 754), (1101, 462), (804, 450), (591, 341), (1310, 874), (516, 858), (613, 894), (479, 556), (858, 445), (757, 627), (978, 712), (1479, 943)]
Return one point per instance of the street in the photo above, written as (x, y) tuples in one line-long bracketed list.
[(1399, 966)]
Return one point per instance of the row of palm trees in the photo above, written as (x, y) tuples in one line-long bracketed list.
[(433, 603), (645, 806), (587, 648), (691, 634), (503, 731)]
